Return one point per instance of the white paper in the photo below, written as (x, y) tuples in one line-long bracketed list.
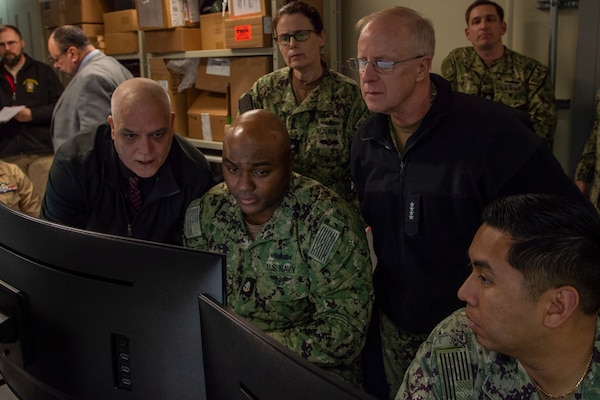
[(243, 7), (7, 113), (206, 130), (218, 66)]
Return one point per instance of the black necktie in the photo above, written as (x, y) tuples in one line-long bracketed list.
[(134, 194)]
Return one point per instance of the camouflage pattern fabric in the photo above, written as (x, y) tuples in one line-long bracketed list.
[(321, 127), (588, 167), (306, 278), (515, 80), (475, 372), (399, 348)]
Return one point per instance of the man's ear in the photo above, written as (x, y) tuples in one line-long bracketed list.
[(562, 302), (111, 122), (424, 67), (503, 27)]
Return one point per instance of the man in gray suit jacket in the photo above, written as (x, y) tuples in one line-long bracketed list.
[(85, 103)]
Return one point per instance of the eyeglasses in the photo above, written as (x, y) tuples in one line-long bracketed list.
[(55, 60), (380, 66), (10, 43), (299, 36)]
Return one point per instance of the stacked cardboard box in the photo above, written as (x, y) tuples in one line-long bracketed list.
[(179, 100), (173, 40), (121, 32), (248, 32), (63, 12), (249, 8), (209, 114), (249, 24), (166, 14), (213, 31)]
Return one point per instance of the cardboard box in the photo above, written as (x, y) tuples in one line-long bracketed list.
[(70, 12), (244, 72), (240, 72), (214, 73), (173, 40), (92, 30), (160, 14), (121, 43), (191, 12), (248, 32), (247, 8), (213, 31), (207, 116), (46, 14), (171, 81), (121, 21)]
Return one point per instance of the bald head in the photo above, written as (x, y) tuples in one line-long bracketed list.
[(403, 25), (260, 126), (139, 93)]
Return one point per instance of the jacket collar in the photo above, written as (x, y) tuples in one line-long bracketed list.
[(377, 126)]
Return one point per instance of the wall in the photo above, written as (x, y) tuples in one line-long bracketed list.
[(26, 15), (528, 33)]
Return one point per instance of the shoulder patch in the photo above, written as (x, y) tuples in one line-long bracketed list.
[(192, 222), (454, 365), (323, 243)]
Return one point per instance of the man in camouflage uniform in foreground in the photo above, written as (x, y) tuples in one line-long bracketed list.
[(530, 329), (490, 70), (298, 263)]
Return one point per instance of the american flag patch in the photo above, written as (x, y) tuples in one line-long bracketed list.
[(192, 222), (455, 373), (323, 243)]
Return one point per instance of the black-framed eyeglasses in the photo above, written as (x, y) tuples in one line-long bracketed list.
[(55, 60), (380, 66), (299, 36)]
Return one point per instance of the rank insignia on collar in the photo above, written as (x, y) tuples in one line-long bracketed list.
[(248, 287)]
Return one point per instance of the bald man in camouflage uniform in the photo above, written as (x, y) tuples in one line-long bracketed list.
[(530, 329), (489, 69), (298, 262)]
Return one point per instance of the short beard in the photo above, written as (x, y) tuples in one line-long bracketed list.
[(12, 61)]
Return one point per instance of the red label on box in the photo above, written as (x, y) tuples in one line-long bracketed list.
[(242, 32)]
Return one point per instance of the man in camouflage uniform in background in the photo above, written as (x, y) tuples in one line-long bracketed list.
[(587, 174), (490, 70), (298, 263), (530, 329)]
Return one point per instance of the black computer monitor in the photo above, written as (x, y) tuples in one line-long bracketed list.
[(241, 362), (94, 316)]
